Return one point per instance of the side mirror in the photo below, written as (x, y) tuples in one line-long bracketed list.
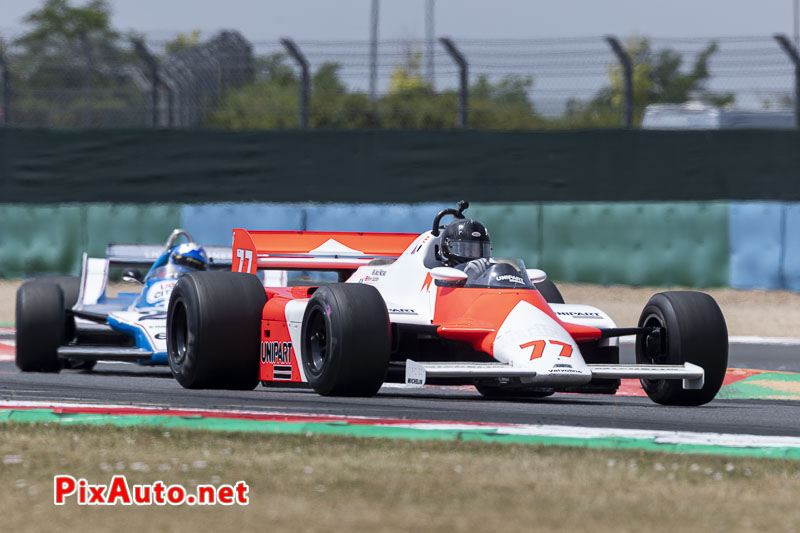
[(536, 275), (133, 275), (448, 274)]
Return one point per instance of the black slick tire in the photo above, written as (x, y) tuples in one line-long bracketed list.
[(693, 331), (71, 287), (40, 326), (549, 292), (213, 330), (346, 340)]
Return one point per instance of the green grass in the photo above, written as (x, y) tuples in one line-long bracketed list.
[(326, 483)]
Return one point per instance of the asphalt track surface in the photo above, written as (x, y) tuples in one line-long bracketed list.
[(131, 385)]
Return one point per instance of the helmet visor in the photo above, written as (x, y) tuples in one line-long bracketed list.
[(470, 249), (190, 261)]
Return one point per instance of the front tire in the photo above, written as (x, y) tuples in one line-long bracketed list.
[(346, 340), (694, 331), (40, 326), (213, 330)]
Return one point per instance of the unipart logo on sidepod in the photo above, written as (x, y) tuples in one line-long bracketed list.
[(160, 291)]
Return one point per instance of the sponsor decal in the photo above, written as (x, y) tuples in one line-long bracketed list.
[(378, 272), (401, 311), (276, 353), (580, 314), (415, 381), (476, 233), (570, 370), (510, 277), (160, 291)]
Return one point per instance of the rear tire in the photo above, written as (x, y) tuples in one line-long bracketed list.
[(214, 330), (346, 340), (40, 326), (550, 292), (695, 332)]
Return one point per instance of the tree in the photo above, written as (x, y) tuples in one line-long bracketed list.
[(410, 103), (273, 100), (332, 106), (67, 48), (505, 104), (183, 41), (657, 78)]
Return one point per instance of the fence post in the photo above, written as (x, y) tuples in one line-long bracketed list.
[(463, 93), (791, 51), (373, 51), (6, 102), (430, 40), (627, 73), (152, 66), (301, 60), (170, 101)]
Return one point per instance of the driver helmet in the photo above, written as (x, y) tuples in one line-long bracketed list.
[(464, 240), (189, 255)]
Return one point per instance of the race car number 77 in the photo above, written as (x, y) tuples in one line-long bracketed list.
[(538, 348), (243, 254)]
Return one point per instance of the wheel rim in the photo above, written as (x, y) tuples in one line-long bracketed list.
[(653, 321), (179, 335), (317, 342)]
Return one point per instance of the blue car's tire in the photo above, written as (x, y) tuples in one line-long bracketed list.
[(71, 287), (213, 330), (40, 326)]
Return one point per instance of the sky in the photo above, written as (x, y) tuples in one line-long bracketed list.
[(264, 20)]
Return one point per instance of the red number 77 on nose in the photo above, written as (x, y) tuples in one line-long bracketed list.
[(538, 348)]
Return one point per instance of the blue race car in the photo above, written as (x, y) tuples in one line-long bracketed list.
[(70, 322)]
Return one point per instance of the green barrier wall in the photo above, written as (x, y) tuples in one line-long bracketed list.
[(39, 239), (193, 166), (634, 244)]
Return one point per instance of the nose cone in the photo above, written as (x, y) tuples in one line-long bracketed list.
[(531, 338)]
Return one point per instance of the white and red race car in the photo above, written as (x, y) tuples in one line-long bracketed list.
[(405, 310)]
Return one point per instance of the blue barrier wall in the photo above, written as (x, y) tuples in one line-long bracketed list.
[(791, 257), (765, 245)]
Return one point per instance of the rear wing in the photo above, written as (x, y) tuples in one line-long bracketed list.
[(143, 255), (314, 250)]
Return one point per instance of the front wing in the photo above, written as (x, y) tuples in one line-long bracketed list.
[(417, 374)]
